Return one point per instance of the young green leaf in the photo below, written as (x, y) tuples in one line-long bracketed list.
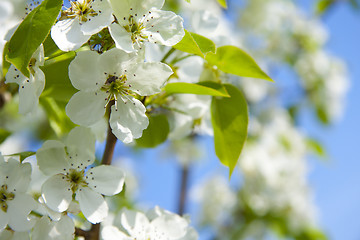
[(156, 133), (22, 155), (229, 118), (31, 33), (202, 88), (195, 44), (5, 64), (233, 60), (222, 3)]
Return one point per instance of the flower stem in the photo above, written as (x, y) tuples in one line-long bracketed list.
[(109, 147), (167, 55), (183, 189)]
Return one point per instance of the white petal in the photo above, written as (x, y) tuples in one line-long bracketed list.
[(169, 226), (56, 192), (109, 180), (147, 78), (83, 71), (81, 146), (131, 7), (181, 125), (128, 120), (165, 27), (86, 108), (113, 233), (99, 129), (92, 205), (103, 18), (21, 236), (19, 178), (116, 61), (65, 228), (41, 229), (51, 157), (15, 76), (30, 92), (121, 37), (54, 230), (4, 219), (135, 223), (67, 35), (191, 234), (18, 211)]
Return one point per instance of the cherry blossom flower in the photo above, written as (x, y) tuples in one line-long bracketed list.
[(15, 204), (31, 88), (157, 224), (138, 21), (81, 20), (119, 76), (67, 163)]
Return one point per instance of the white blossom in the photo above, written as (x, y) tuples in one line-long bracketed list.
[(81, 20), (119, 76), (138, 21), (68, 164)]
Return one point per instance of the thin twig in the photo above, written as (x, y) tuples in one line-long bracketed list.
[(183, 189)]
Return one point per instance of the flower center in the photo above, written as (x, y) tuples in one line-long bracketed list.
[(76, 178), (5, 196), (82, 10), (115, 86), (135, 28)]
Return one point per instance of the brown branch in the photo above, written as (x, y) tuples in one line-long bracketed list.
[(183, 189), (109, 147)]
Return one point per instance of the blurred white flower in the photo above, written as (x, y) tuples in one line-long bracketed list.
[(157, 224)]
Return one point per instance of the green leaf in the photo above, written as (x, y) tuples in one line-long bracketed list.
[(58, 85), (222, 3), (31, 33), (316, 147), (195, 44), (23, 155), (5, 64), (229, 118), (4, 134), (323, 5), (233, 60), (156, 133), (202, 88)]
